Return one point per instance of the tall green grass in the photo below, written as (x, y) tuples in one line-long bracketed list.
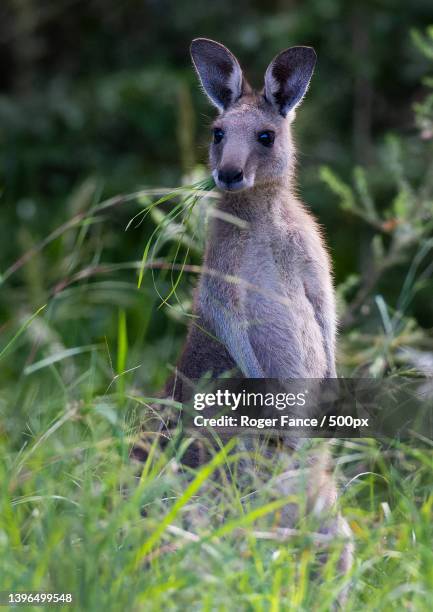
[(77, 515)]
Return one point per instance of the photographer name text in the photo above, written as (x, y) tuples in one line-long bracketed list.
[(282, 421)]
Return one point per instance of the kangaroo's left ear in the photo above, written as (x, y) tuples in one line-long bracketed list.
[(288, 76)]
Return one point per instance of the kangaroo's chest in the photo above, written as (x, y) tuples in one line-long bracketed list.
[(254, 271), (260, 274), (254, 291)]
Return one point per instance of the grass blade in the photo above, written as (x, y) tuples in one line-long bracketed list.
[(21, 330)]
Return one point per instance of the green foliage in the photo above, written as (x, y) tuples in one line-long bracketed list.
[(189, 196), (424, 110), (70, 503), (401, 243)]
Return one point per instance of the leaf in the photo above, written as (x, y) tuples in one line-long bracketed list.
[(189, 196), (65, 354), (108, 412), (364, 193), (343, 191), (20, 331), (400, 205)]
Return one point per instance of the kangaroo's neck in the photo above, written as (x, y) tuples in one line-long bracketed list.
[(257, 203)]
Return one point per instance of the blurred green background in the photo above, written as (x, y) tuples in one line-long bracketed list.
[(98, 98)]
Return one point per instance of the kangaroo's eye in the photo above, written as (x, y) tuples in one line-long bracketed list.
[(218, 135), (266, 138)]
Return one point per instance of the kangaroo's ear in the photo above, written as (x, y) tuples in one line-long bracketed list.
[(219, 72), (288, 76)]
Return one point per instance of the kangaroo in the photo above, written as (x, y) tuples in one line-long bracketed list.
[(279, 320), (264, 306)]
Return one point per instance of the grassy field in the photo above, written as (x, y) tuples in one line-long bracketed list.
[(77, 516)]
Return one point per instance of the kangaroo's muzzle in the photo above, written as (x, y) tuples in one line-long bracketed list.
[(230, 178)]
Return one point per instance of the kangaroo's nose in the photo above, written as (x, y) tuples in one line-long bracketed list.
[(230, 175)]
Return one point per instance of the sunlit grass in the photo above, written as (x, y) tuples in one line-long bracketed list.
[(78, 516), (187, 198)]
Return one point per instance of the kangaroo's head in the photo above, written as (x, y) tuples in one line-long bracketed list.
[(251, 139)]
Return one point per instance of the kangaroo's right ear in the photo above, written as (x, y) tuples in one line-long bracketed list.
[(219, 72)]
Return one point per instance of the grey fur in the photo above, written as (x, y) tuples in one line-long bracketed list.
[(288, 76), (265, 302), (275, 314), (218, 71)]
